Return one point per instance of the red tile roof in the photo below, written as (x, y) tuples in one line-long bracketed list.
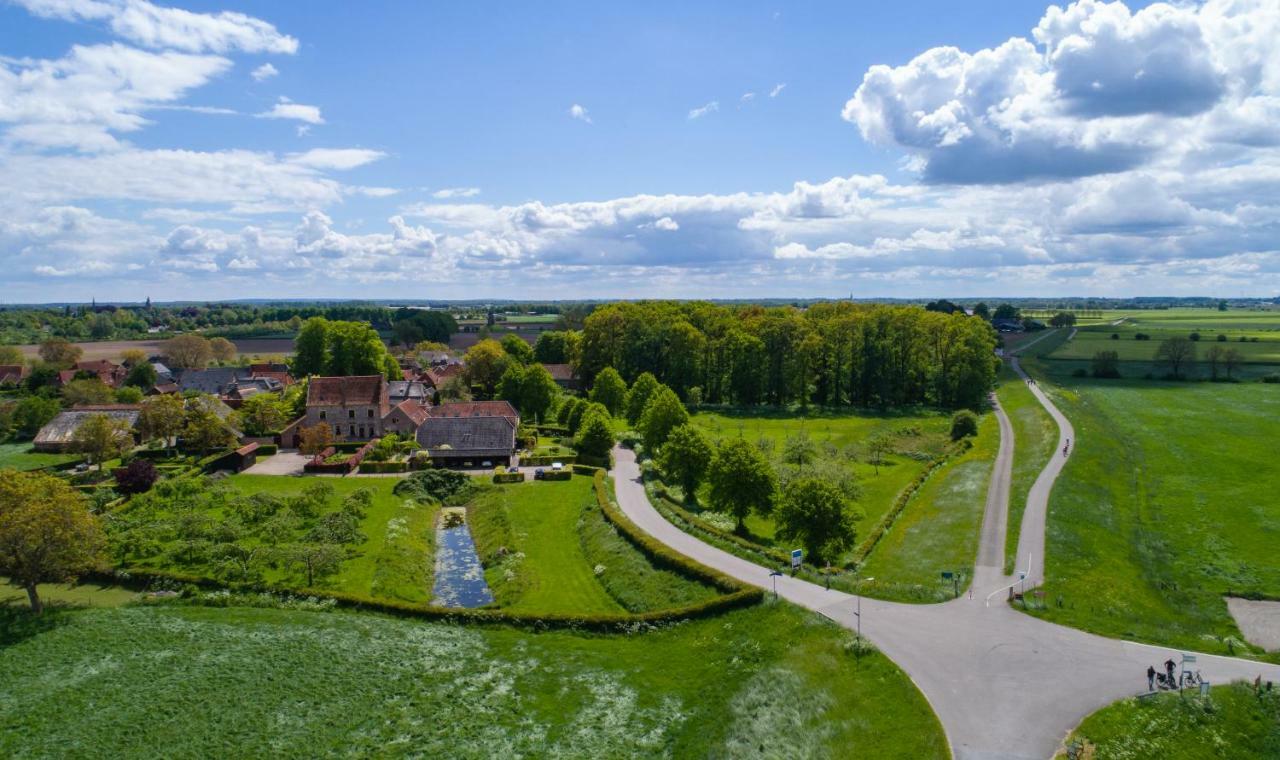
[(12, 373), (284, 377), (438, 375), (415, 411), (560, 371), (343, 391), (476, 409)]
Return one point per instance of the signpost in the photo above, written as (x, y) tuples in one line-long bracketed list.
[(947, 575), (774, 575), (797, 557)]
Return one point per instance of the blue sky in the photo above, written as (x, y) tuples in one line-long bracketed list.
[(586, 150)]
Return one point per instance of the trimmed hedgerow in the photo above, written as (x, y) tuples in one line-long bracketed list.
[(381, 467)]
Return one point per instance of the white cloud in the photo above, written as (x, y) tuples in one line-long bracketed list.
[(336, 158), (746, 98), (580, 113), (777, 89), (287, 109), (1097, 89), (456, 192), (703, 110), (264, 72), (159, 27), (79, 100)]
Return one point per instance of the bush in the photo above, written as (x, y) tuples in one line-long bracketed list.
[(383, 467), (438, 485), (1222, 338), (1195, 336), (1274, 377), (138, 477), (1115, 336), (557, 475), (508, 477), (1079, 372), (267, 449), (1141, 336), (963, 424)]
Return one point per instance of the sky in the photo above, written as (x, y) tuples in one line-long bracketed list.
[(219, 150)]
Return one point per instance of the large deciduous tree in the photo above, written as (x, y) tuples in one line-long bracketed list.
[(595, 434), (311, 348), (685, 458), (162, 417), (485, 363), (610, 389), (663, 413), (101, 437), (315, 438), (188, 351), (87, 391), (59, 352), (222, 349), (638, 397), (1178, 353), (741, 480), (47, 534), (813, 512)]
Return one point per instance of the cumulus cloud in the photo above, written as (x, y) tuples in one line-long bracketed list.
[(703, 110), (156, 26), (287, 109), (580, 113), (336, 158), (777, 89), (1096, 89), (264, 72)]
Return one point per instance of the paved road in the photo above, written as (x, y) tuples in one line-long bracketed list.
[(1005, 685)]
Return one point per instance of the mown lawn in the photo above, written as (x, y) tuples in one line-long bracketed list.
[(939, 529), (542, 525), (1167, 504), (1035, 437), (1233, 723), (20, 456), (64, 594), (771, 681)]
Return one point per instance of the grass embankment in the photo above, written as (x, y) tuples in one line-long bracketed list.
[(939, 529), (1166, 505), (545, 569), (917, 436), (769, 681), (1036, 437), (1233, 723), (20, 456)]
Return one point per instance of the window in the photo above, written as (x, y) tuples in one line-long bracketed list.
[(337, 430), (370, 414), (351, 414), (322, 414), (353, 431), (362, 431)]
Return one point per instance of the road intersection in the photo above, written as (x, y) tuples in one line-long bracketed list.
[(1006, 685)]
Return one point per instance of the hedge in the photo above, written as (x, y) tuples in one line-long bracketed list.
[(508, 477), (557, 474), (605, 462), (585, 469), (380, 467), (552, 430), (899, 504), (543, 461), (268, 449), (662, 555)]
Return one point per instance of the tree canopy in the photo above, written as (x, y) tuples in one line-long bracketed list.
[(610, 389), (741, 480), (813, 512)]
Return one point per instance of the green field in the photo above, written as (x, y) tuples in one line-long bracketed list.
[(917, 436), (62, 594), (1233, 723), (20, 456), (1167, 504), (939, 529), (770, 681), (1035, 436)]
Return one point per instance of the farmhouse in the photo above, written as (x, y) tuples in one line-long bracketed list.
[(59, 434), (477, 409), (563, 375), (405, 418), (12, 374), (214, 381), (468, 441), (354, 406)]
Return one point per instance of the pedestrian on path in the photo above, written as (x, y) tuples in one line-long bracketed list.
[(1169, 665), (1151, 678)]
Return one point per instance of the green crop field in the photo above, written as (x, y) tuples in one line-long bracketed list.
[(1233, 723), (939, 529), (20, 456), (770, 681), (1035, 436), (917, 437), (1167, 504)]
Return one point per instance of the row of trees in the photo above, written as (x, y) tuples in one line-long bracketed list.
[(831, 354), (339, 349)]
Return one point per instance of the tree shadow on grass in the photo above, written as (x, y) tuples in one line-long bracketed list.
[(18, 623)]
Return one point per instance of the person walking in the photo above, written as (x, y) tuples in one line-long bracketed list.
[(1151, 678), (1169, 665)]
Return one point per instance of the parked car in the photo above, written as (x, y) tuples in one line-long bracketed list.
[(486, 463), (557, 466), (539, 474)]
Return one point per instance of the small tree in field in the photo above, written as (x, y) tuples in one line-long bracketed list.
[(314, 560), (878, 447), (162, 417), (813, 512), (1106, 364), (1232, 359), (685, 459), (101, 438), (741, 480), (47, 534), (205, 431), (1178, 353), (315, 439), (963, 424)]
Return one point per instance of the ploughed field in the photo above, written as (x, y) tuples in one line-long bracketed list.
[(112, 349), (1167, 505)]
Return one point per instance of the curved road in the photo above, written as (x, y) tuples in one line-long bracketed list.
[(1004, 684)]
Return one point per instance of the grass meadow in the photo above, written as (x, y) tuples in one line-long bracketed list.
[(1035, 437), (1167, 504), (939, 529), (1233, 723), (769, 681), (917, 437)]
